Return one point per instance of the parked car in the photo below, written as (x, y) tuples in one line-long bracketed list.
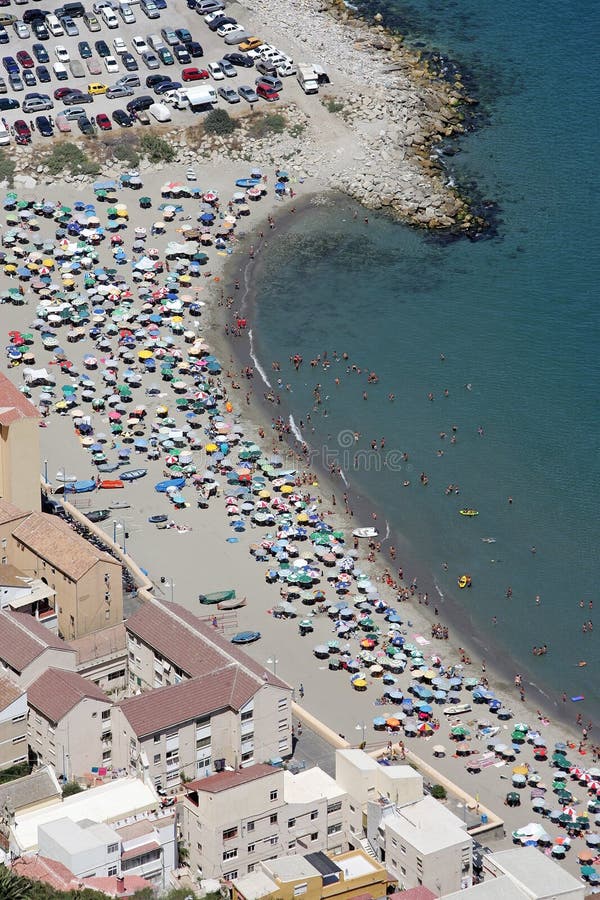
[(28, 78), (119, 45), (252, 43), (40, 53), (191, 73), (270, 81), (85, 126), (181, 54), (139, 103), (85, 51), (239, 59), (61, 92), (21, 30), (10, 64), (110, 18), (103, 122), (150, 60), (150, 9), (97, 87), (127, 14), (267, 92), (4, 39), (93, 66), (166, 86), (38, 27), (43, 74), (73, 113), (220, 20), (183, 35), (42, 123), (247, 93), (215, 70), (77, 97), (25, 60), (16, 82), (169, 36), (194, 49), (165, 56), (63, 125), (139, 44), (235, 37), (22, 132), (130, 81), (228, 70), (153, 80), (7, 103), (129, 62), (122, 118), (102, 48), (92, 22), (69, 26), (111, 65), (116, 91), (229, 94)]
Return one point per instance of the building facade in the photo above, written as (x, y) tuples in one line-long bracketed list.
[(28, 648), (13, 723), (19, 448)]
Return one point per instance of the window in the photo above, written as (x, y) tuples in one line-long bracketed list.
[(273, 819), (106, 712), (282, 724), (112, 848), (334, 807), (141, 860), (334, 829), (314, 836), (246, 716), (157, 738), (230, 854), (403, 870), (112, 676), (18, 719), (402, 848), (273, 840), (273, 795), (230, 833), (300, 889), (251, 848), (112, 870), (230, 876), (18, 740), (282, 703), (157, 758), (250, 826), (352, 809), (106, 754), (291, 823), (314, 814), (251, 868), (394, 842)]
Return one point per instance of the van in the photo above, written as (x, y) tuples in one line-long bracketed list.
[(110, 19), (54, 26), (155, 41), (73, 10), (76, 67), (160, 112), (4, 135), (60, 71)]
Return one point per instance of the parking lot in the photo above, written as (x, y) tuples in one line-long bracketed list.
[(106, 71)]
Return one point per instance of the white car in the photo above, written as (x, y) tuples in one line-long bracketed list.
[(111, 65), (100, 5), (208, 18), (120, 46), (227, 28), (61, 53), (139, 44), (216, 71), (109, 17)]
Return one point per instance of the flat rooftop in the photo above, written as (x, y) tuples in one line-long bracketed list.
[(356, 865), (539, 875), (493, 889), (290, 868), (255, 885), (308, 785), (427, 825)]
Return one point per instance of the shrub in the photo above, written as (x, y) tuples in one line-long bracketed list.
[(333, 106), (127, 153), (438, 792), (156, 149), (218, 121), (68, 157), (71, 787), (7, 168), (263, 125)]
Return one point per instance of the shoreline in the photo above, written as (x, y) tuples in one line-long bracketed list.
[(452, 614)]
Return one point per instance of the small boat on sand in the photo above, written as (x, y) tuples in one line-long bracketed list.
[(217, 597), (234, 603), (365, 533), (469, 512)]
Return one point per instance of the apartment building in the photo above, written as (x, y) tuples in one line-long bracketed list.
[(233, 820), (316, 876), (32, 792), (19, 448), (525, 874), (31, 595), (86, 581), (13, 723), (102, 658), (69, 723), (421, 843), (28, 648)]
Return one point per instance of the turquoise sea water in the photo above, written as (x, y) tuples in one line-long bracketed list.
[(516, 318)]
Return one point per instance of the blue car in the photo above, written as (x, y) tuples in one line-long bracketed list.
[(43, 74), (11, 65)]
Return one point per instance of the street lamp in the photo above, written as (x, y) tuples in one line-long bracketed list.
[(361, 727), (169, 584), (45, 471), (272, 661)]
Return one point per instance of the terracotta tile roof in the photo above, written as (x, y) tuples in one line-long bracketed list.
[(226, 688), (189, 643), (40, 868), (10, 576), (110, 885), (23, 639), (416, 893), (53, 540), (9, 692), (223, 781), (13, 404), (100, 643), (135, 830), (56, 692), (9, 513)]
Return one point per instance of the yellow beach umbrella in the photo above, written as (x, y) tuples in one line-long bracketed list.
[(301, 519), (49, 263), (520, 770), (264, 495), (287, 489), (211, 448), (145, 354)]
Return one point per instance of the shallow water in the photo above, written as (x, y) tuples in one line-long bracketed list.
[(516, 319)]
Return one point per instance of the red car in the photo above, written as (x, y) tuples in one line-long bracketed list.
[(61, 92), (192, 73), (103, 122), (24, 59), (22, 131), (266, 92)]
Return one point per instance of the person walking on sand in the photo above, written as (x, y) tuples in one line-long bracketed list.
[(301, 691)]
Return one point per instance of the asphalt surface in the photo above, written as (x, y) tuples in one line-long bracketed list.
[(174, 16)]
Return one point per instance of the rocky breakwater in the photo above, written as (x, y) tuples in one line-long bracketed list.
[(394, 111)]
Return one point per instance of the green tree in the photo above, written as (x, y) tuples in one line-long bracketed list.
[(69, 158), (70, 788), (157, 149), (218, 121), (12, 886), (7, 168)]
